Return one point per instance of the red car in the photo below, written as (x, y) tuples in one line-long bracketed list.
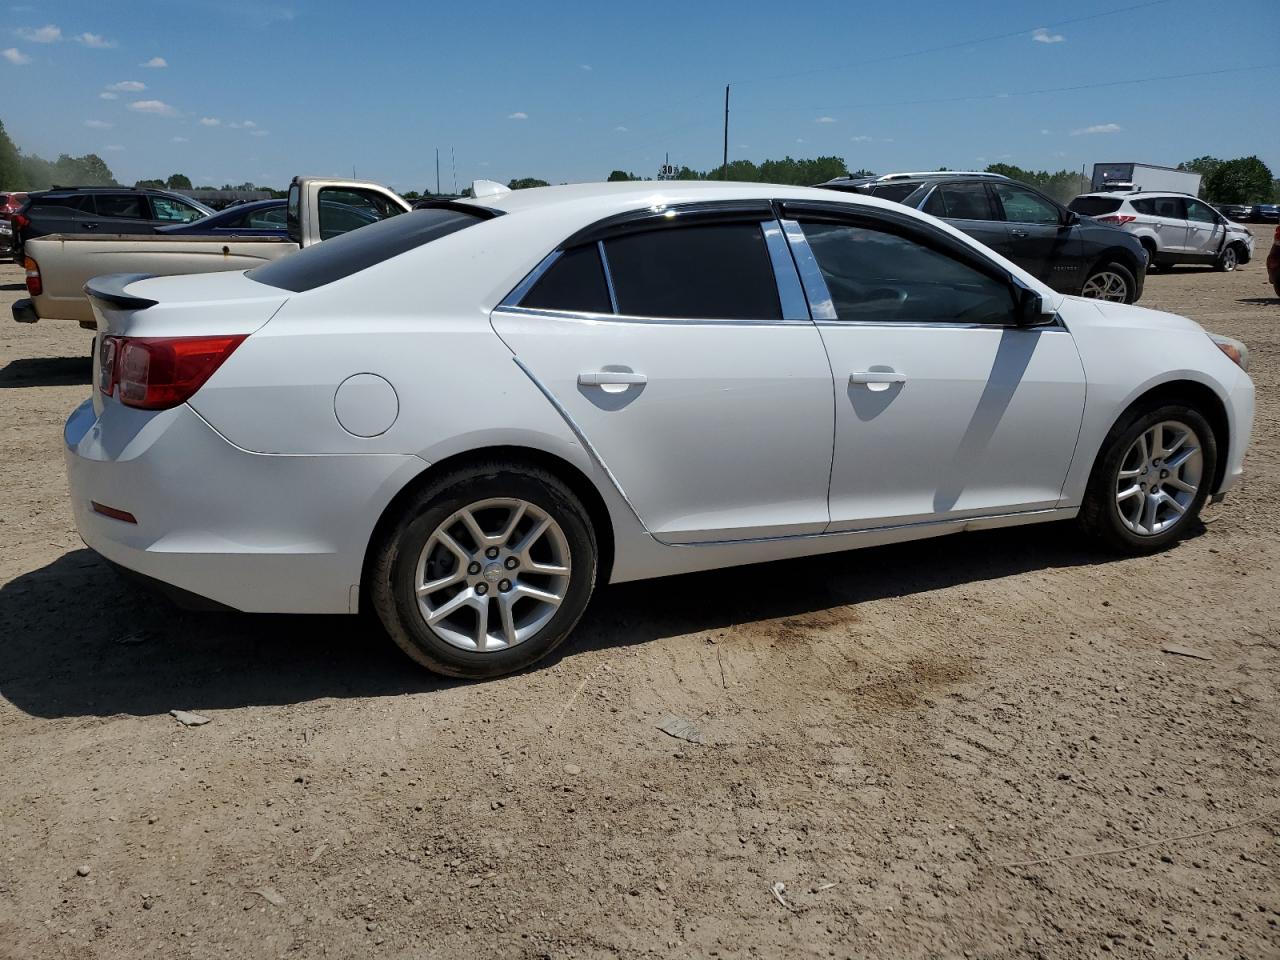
[(9, 204), (1273, 263)]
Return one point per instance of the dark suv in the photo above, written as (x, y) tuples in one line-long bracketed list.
[(73, 210), (1072, 254)]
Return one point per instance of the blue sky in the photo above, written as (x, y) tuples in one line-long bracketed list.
[(234, 90)]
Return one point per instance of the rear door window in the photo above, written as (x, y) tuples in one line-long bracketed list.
[(1171, 207), (961, 201), (574, 283), (712, 271), (122, 206)]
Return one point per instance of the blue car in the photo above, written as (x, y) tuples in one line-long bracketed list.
[(266, 218)]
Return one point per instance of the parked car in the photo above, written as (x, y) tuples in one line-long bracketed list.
[(10, 202), (267, 218), (58, 266), (1265, 213), (1172, 227), (469, 416), (115, 210), (1071, 254), (1239, 212), (1273, 263)]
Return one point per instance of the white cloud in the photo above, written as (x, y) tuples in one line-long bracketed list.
[(801, 140), (825, 120), (114, 147), (155, 63), (98, 125), (862, 138), (128, 86), (15, 56), (158, 107), (179, 140), (1042, 35), (108, 95), (518, 115), (621, 129), (45, 34), (242, 125), (210, 122), (1098, 128), (585, 66), (95, 40), (1045, 132), (260, 133)]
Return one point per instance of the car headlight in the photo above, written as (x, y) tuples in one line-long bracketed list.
[(1234, 349)]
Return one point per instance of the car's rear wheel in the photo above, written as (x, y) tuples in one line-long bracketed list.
[(1110, 281), (1151, 479), (1228, 260), (487, 570)]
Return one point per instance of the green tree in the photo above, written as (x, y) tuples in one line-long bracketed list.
[(178, 181), (148, 185), (11, 175), (1201, 165), (524, 183), (620, 176), (1243, 180)]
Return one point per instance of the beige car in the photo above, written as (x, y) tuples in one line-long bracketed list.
[(58, 266)]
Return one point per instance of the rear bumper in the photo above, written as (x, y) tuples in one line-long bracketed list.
[(261, 533), (24, 311)]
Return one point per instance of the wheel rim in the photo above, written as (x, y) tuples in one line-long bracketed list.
[(1106, 285), (492, 575), (1229, 259), (1158, 478)]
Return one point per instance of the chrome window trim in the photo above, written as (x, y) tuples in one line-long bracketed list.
[(524, 286), (821, 306), (608, 275), (790, 293), (1056, 325), (625, 318)]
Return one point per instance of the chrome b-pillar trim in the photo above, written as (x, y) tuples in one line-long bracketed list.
[(815, 285), (790, 293)]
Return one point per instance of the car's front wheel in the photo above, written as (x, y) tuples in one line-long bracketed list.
[(1151, 479), (1228, 260), (1110, 281), (487, 570)]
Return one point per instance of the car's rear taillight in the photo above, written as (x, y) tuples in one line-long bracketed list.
[(1277, 236), (20, 222), (35, 286), (155, 373), (1117, 219)]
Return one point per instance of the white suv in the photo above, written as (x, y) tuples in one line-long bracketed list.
[(1173, 227)]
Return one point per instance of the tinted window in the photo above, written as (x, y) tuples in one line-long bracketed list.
[(342, 256), (960, 201), (1022, 206), (1171, 207), (896, 192), (174, 211), (1145, 205), (1096, 206), (62, 205), (717, 271), (878, 276), (122, 206), (574, 282), (1200, 212)]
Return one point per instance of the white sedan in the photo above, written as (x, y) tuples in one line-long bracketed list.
[(469, 415)]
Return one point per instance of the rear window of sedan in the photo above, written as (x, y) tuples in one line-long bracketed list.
[(352, 252), (1095, 206)]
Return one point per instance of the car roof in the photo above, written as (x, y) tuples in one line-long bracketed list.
[(1130, 194)]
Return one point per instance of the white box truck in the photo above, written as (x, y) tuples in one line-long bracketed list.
[(1144, 176)]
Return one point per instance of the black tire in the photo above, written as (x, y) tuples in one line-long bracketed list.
[(1100, 513), (1228, 260), (1150, 248), (1120, 270), (393, 572)]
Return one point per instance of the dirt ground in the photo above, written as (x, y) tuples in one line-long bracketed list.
[(900, 736)]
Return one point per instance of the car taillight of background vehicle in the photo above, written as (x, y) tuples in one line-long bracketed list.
[(1117, 219), (20, 222), (35, 285), (156, 373)]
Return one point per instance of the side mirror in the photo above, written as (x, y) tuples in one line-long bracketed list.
[(1028, 308), (1071, 219)]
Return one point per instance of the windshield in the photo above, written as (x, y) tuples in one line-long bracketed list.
[(360, 249)]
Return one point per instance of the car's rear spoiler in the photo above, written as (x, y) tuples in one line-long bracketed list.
[(109, 288)]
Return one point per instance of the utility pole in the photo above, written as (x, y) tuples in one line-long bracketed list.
[(437, 171), (724, 167), (453, 161)]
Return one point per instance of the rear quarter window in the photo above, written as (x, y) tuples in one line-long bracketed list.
[(1095, 206), (360, 249)]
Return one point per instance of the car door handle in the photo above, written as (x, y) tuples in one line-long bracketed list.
[(1019, 234), (89, 226), (610, 378), (877, 376)]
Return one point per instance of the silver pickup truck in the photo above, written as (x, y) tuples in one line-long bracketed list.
[(58, 266)]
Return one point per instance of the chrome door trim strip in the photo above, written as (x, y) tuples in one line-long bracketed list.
[(815, 285), (790, 293), (1057, 325), (962, 523), (608, 275), (582, 439), (672, 321)]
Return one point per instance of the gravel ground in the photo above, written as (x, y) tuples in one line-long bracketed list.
[(937, 748)]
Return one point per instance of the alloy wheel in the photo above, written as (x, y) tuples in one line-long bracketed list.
[(1229, 259), (1106, 285), (1159, 477), (492, 574)]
